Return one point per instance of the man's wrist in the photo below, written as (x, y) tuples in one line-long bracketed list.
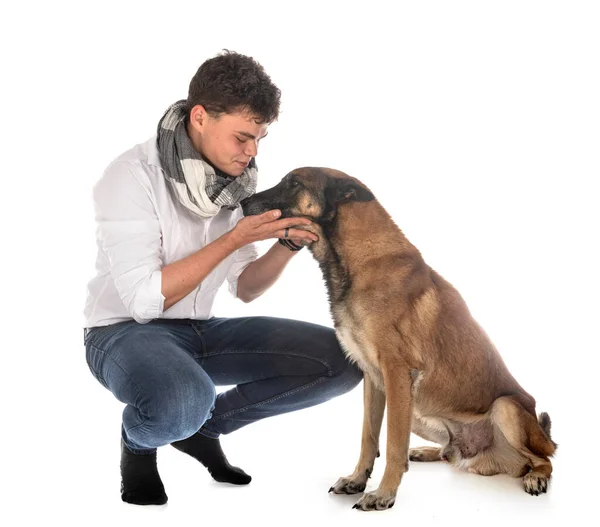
[(289, 244), (231, 240)]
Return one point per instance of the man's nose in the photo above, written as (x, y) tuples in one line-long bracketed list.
[(252, 149)]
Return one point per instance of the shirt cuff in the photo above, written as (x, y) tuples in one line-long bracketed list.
[(149, 301)]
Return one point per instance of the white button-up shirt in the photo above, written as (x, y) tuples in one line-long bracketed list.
[(141, 228)]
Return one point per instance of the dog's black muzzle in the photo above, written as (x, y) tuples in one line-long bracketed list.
[(245, 204), (262, 202), (252, 206)]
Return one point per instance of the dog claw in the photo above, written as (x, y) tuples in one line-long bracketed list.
[(373, 501), (535, 485), (349, 486)]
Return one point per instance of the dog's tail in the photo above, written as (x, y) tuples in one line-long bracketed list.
[(540, 440), (546, 424)]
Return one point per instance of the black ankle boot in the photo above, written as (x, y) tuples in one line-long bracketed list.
[(140, 481), (209, 452)]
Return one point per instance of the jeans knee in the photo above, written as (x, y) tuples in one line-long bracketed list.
[(184, 407), (341, 367), (345, 374), (349, 376)]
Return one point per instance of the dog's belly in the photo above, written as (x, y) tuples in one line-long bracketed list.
[(433, 425)]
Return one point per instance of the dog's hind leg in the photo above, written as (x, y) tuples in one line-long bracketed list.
[(427, 453), (528, 437), (374, 406)]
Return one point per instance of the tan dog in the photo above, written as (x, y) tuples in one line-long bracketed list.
[(412, 335)]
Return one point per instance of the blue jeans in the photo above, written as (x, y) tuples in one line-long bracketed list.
[(166, 372)]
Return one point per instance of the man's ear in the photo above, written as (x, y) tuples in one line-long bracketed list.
[(346, 190), (197, 117)]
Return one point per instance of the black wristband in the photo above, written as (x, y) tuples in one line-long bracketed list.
[(290, 244)]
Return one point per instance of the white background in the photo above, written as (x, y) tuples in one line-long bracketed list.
[(476, 124)]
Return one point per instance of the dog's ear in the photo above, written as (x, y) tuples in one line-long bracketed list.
[(345, 190)]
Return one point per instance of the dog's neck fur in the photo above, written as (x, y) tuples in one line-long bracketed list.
[(365, 239)]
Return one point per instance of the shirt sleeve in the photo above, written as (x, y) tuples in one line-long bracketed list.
[(241, 259), (129, 233)]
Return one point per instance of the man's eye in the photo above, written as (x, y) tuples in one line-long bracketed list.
[(240, 140)]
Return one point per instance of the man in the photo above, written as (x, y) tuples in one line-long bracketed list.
[(170, 232)]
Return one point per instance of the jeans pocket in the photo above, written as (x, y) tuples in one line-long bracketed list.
[(96, 332)]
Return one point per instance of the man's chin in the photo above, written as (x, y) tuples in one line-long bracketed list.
[(236, 170)]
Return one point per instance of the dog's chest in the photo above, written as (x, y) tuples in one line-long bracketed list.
[(350, 345), (353, 342)]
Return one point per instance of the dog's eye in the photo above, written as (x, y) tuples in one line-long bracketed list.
[(294, 183)]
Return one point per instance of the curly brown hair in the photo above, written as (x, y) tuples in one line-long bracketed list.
[(230, 83)]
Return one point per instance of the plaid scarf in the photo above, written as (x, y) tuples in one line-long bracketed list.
[(200, 187)]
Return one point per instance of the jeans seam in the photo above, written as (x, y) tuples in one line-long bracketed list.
[(137, 426), (269, 352), (207, 432), (267, 401), (203, 355)]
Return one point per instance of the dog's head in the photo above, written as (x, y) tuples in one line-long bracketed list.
[(314, 193)]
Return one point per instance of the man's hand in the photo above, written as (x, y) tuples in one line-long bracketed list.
[(264, 226)]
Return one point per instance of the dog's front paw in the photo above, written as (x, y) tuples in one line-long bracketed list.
[(349, 486), (375, 501), (535, 483)]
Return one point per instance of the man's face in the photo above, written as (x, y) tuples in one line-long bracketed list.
[(230, 141)]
